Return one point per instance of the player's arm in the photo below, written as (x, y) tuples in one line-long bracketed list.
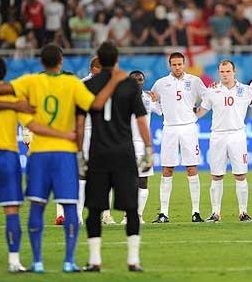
[(49, 131), (117, 76), (80, 124), (6, 89), (19, 106)]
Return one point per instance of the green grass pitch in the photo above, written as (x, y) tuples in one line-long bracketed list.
[(179, 251)]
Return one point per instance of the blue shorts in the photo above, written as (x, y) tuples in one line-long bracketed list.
[(52, 171), (10, 179)]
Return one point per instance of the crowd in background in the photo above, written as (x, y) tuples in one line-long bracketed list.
[(29, 24)]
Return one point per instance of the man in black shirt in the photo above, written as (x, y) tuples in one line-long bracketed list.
[(112, 160)]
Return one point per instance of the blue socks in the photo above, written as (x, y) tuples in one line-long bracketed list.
[(35, 228), (13, 232), (71, 227)]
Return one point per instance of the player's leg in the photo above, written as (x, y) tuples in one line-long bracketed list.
[(39, 168), (11, 197), (65, 184), (169, 159), (237, 151), (143, 193), (190, 158), (97, 199), (218, 161), (93, 223), (126, 198), (81, 200)]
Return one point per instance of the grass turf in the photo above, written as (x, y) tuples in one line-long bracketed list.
[(179, 251)]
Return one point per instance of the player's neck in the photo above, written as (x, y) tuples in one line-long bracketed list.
[(229, 84)]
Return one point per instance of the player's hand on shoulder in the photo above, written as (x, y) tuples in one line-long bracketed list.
[(24, 106), (82, 165), (153, 95), (214, 84), (146, 162), (118, 75)]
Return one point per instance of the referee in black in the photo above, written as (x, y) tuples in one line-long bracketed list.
[(112, 161)]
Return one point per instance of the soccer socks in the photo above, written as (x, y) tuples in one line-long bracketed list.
[(71, 227), (142, 199), (13, 235), (80, 203), (242, 195), (94, 245), (194, 186), (165, 194), (59, 210), (35, 229), (216, 192), (133, 242)]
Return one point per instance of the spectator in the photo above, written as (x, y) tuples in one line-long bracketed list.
[(26, 45), (81, 29), (54, 11), (60, 39), (241, 30), (139, 28), (161, 31), (119, 28), (10, 31), (100, 29), (33, 16), (199, 30), (182, 36), (220, 27)]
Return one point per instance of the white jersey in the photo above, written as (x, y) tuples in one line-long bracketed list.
[(229, 106), (177, 97), (150, 107)]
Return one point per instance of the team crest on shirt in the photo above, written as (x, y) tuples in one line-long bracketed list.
[(188, 85), (239, 91)]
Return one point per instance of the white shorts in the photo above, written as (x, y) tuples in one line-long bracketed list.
[(230, 145), (150, 172), (180, 141)]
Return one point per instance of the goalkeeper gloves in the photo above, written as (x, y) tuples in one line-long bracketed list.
[(27, 136), (82, 165), (146, 161)]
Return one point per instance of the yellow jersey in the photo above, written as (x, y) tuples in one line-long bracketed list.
[(8, 126), (55, 98)]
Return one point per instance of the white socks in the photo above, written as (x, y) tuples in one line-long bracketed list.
[(94, 245), (194, 186), (59, 210), (216, 192), (80, 203), (142, 199), (165, 193), (242, 195), (13, 258), (133, 249)]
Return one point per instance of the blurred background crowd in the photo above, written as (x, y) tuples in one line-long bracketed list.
[(29, 24)]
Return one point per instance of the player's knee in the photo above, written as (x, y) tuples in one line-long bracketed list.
[(191, 170), (240, 177), (167, 171), (217, 177)]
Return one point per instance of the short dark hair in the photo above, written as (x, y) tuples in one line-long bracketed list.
[(176, 55), (226, 62), (137, 72), (107, 54), (51, 55), (3, 68)]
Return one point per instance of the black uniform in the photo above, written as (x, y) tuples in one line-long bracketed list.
[(112, 161)]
